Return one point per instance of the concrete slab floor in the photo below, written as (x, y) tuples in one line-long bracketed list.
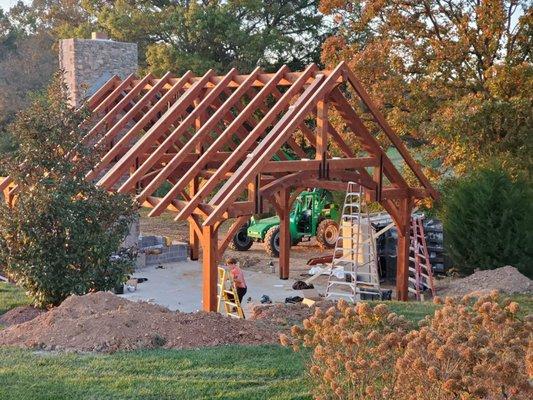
[(178, 286)]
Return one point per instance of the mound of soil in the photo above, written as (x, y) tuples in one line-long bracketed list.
[(505, 279), (107, 323), (18, 315)]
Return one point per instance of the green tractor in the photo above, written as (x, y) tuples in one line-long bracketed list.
[(313, 214)]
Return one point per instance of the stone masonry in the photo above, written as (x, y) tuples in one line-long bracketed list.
[(89, 63), (164, 254)]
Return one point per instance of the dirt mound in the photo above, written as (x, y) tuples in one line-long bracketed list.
[(505, 279), (18, 315), (105, 322)]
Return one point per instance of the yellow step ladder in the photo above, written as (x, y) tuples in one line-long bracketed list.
[(227, 294)]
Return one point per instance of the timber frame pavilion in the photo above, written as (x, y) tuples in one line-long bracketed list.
[(220, 146)]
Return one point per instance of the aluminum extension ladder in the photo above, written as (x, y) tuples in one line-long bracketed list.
[(354, 257), (227, 295), (420, 271)]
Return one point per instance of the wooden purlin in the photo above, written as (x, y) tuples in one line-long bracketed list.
[(217, 145), (200, 136), (288, 79), (187, 123), (102, 93), (245, 145), (121, 106), (133, 112), (277, 136), (156, 131), (133, 133)]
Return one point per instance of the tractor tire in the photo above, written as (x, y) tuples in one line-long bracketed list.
[(327, 233), (272, 241), (241, 241)]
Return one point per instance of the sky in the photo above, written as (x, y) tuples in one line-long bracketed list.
[(6, 4)]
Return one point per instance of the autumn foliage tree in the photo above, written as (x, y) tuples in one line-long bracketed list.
[(454, 76)]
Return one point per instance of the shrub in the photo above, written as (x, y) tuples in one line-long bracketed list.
[(468, 350), (62, 233), (355, 350), (487, 220)]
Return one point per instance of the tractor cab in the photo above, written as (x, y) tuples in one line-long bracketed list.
[(312, 214), (309, 208)]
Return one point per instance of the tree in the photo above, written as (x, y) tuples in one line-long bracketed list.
[(27, 63), (61, 235), (198, 35), (487, 219), (455, 76), (178, 35)]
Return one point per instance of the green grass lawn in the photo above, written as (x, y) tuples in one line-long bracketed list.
[(228, 372), (11, 296)]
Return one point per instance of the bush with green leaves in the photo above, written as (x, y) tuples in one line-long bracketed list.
[(487, 219), (62, 234)]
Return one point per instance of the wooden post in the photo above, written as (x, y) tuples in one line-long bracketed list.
[(194, 185), (194, 240), (209, 267), (322, 135), (284, 234), (402, 251)]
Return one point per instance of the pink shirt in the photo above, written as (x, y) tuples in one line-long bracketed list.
[(238, 277)]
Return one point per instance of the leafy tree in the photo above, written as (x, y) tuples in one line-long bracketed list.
[(453, 75), (487, 221), (27, 63), (198, 35), (182, 34), (62, 232)]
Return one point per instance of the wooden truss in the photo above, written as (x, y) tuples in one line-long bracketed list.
[(227, 147)]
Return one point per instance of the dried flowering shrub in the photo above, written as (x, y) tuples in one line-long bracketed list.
[(355, 350), (469, 350)]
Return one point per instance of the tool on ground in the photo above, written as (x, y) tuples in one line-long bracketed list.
[(420, 271), (355, 252), (301, 285), (227, 294), (294, 300), (265, 299)]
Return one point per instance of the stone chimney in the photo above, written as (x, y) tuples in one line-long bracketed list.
[(89, 63)]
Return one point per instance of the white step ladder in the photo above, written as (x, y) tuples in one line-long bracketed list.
[(420, 271), (354, 269)]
